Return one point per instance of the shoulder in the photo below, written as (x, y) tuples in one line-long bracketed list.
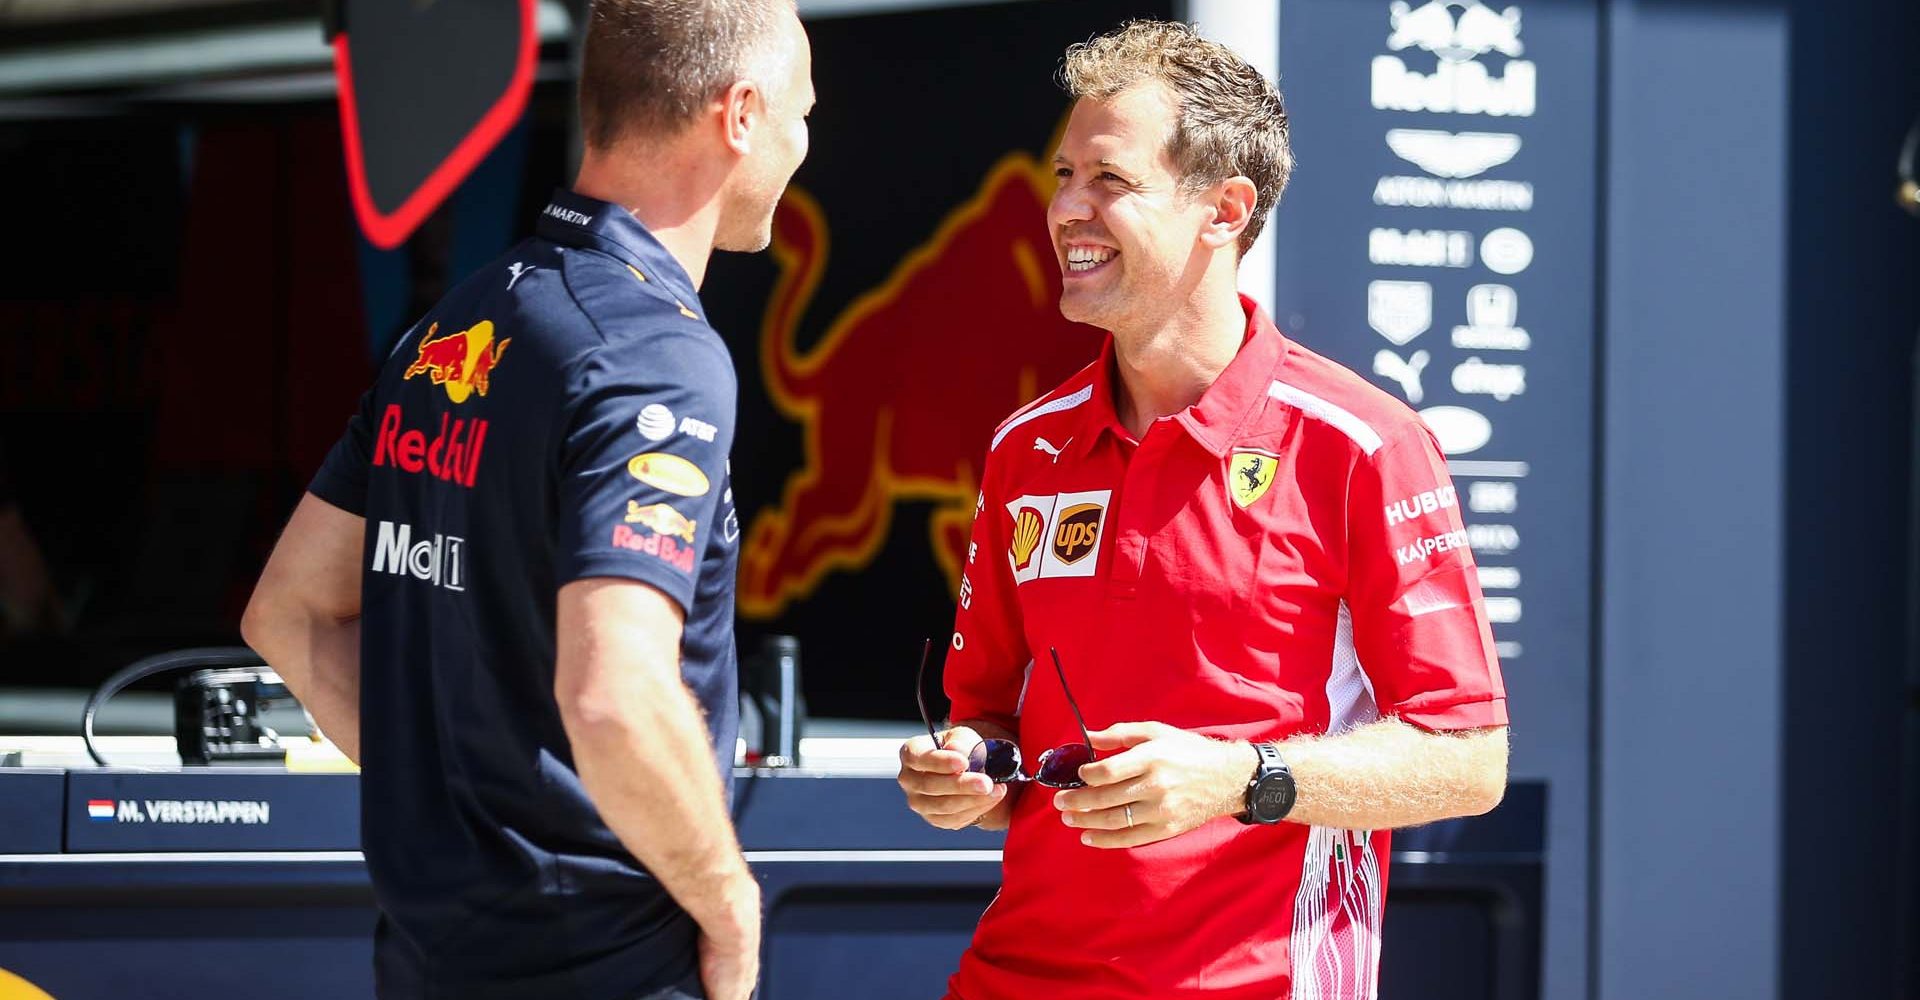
[(1060, 409), (1336, 401), (620, 324)]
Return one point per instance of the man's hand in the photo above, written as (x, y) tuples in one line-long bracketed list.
[(730, 948), (1166, 782), (940, 788)]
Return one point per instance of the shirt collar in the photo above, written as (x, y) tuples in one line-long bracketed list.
[(577, 220), (1216, 420)]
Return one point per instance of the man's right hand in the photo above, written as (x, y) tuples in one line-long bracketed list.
[(941, 789), (730, 945)]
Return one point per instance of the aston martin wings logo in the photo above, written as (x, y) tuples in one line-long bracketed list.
[(1446, 154)]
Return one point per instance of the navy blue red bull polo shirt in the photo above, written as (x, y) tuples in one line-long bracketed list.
[(566, 412)]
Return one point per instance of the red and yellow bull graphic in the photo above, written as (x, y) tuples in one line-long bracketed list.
[(664, 520), (900, 397), (462, 362)]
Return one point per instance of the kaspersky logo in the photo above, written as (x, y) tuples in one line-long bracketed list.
[(462, 362), (900, 397)]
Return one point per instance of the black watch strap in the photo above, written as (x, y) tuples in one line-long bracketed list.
[(1270, 792)]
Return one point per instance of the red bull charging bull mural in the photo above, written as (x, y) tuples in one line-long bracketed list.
[(900, 396)]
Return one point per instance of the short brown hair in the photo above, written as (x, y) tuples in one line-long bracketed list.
[(650, 65), (1230, 120)]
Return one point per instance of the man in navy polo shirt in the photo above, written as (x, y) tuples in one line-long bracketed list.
[(509, 592)]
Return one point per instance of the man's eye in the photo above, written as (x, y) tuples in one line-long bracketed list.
[(1062, 173), (1108, 175)]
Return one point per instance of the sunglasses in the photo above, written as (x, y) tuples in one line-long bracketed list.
[(1000, 759)]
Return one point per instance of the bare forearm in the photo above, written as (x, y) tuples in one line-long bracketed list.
[(648, 765), (319, 658), (1390, 774)]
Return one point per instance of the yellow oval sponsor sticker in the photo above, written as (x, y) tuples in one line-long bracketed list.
[(13, 987), (669, 473)]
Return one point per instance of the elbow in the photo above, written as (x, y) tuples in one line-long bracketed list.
[(594, 712), (1487, 785), (259, 623)]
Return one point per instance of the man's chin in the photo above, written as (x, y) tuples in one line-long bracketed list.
[(1080, 309)]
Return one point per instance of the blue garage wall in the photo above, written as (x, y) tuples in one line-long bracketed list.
[(1853, 308), (1692, 501)]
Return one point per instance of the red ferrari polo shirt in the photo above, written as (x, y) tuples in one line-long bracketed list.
[(1284, 557)]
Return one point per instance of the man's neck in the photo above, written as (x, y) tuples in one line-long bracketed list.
[(669, 191), (1164, 370)]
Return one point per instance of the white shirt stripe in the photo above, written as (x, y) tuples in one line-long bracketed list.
[(1313, 406), (1051, 406)]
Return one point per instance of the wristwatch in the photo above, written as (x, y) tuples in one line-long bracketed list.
[(1270, 791)]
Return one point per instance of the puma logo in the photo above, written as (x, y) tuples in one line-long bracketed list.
[(1387, 364), (1042, 444)]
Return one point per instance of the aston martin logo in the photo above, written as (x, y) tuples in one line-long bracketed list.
[(1446, 154)]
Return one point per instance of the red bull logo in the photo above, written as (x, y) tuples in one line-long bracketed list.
[(452, 454), (900, 397), (662, 519), (463, 362)]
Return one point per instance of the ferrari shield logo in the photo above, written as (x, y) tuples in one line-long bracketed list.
[(1249, 474)]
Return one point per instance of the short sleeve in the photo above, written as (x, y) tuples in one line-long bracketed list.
[(342, 477), (987, 657), (643, 461), (1419, 620)]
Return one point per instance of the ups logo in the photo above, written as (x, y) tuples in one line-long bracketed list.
[(1053, 535), (1077, 532)]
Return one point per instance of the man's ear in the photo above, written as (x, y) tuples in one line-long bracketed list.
[(1232, 203), (742, 108)]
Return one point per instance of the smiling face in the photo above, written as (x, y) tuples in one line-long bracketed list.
[(1126, 236)]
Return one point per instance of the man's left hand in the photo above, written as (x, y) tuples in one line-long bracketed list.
[(1165, 782)]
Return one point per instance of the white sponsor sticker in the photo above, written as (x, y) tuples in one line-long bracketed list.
[(1458, 429), (655, 422)]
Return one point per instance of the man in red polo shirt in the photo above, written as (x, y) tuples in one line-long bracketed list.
[(1252, 565)]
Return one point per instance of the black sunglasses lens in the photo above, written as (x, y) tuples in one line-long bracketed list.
[(1060, 767), (997, 759)]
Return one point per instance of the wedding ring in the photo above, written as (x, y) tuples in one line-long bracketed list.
[(1129, 810)]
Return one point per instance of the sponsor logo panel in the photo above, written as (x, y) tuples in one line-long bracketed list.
[(462, 363), (667, 548), (662, 519), (1249, 474), (436, 559), (452, 454), (1056, 536), (669, 474)]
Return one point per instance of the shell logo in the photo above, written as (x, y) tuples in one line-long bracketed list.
[(669, 474), (1026, 536), (13, 987)]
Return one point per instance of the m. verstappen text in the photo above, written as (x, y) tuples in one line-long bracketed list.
[(248, 812), (452, 454)]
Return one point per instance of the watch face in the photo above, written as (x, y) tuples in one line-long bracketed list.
[(1272, 798)]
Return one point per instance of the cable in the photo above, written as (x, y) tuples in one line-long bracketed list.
[(210, 656)]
